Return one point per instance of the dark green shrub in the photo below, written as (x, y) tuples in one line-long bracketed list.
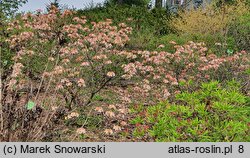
[(240, 31), (138, 17)]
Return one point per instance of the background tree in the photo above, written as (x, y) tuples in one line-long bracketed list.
[(9, 7), (53, 3)]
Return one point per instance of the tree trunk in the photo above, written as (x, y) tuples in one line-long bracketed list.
[(158, 3)]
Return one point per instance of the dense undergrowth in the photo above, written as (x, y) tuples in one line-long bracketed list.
[(209, 114), (126, 73)]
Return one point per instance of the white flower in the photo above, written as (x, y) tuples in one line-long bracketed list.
[(218, 44), (123, 111), (161, 46), (110, 114), (73, 114), (110, 74), (54, 108), (117, 128), (112, 106), (51, 59), (108, 131), (172, 42), (108, 62)]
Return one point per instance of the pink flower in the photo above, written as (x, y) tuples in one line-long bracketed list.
[(81, 131), (59, 86), (123, 123), (172, 42), (85, 64), (99, 109), (81, 83), (174, 83), (17, 69), (108, 62), (207, 76), (161, 46), (111, 106), (166, 93)]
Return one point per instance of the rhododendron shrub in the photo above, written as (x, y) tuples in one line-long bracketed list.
[(57, 54), (66, 54), (162, 73)]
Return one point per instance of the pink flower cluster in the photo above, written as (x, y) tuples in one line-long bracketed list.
[(192, 61), (80, 57)]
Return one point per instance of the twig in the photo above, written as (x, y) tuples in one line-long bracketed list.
[(1, 106), (50, 79), (83, 123), (93, 93), (40, 85)]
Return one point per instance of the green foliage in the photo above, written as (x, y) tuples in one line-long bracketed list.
[(156, 41), (240, 31), (6, 55), (210, 114), (8, 7), (181, 39), (129, 2), (30, 105), (136, 120), (140, 18)]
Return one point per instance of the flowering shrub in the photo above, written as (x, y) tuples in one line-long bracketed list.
[(162, 74), (68, 55), (57, 53)]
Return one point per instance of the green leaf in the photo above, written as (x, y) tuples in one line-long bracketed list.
[(30, 105), (247, 71), (230, 51), (5, 63)]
